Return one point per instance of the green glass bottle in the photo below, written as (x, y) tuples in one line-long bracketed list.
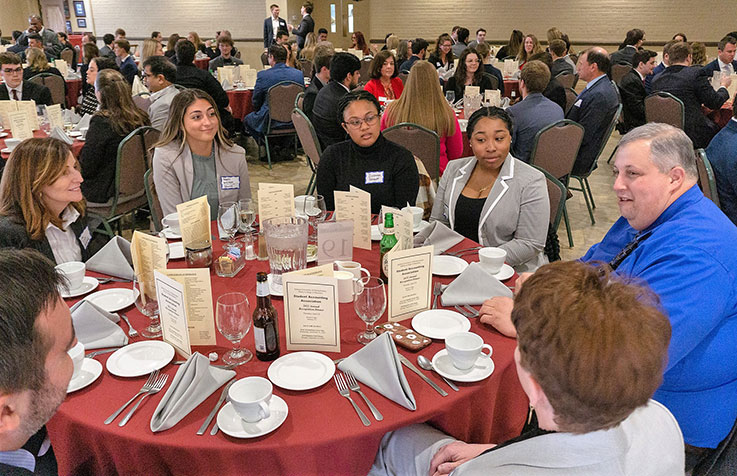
[(387, 243)]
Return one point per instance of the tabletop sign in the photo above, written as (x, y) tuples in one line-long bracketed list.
[(321, 270), (334, 241), (493, 97), (173, 313), (20, 127), (148, 254), (29, 107), (275, 200), (471, 91), (510, 67), (225, 73), (54, 115), (410, 282), (194, 221), (6, 107), (248, 76), (311, 315), (355, 205), (62, 66), (197, 302), (402, 226)]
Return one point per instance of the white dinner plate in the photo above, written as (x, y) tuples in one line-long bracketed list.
[(171, 234), (231, 424), (113, 300), (74, 133), (275, 289), (88, 285), (505, 273), (482, 368), (301, 370), (90, 371), (140, 358), (5, 150), (3, 134), (440, 323), (81, 138), (375, 233), (446, 265), (176, 250)]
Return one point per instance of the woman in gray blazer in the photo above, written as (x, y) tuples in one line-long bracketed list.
[(195, 158), (493, 198)]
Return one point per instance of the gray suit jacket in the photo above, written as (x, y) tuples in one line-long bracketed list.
[(520, 206), (158, 111)]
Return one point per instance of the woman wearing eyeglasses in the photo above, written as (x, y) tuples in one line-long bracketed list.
[(367, 160)]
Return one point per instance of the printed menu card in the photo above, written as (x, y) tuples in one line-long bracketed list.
[(410, 282), (148, 254), (53, 113), (355, 205), (311, 316), (198, 303), (20, 126), (194, 221), (173, 313), (275, 200)]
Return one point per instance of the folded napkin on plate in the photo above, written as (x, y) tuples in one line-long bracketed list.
[(58, 133), (83, 122), (226, 85), (377, 365), (474, 286), (438, 235), (138, 87), (114, 259), (70, 117), (195, 380), (95, 327)]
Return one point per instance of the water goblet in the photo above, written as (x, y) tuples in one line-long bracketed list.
[(147, 304), (450, 96), (229, 220), (233, 318), (316, 213), (369, 303)]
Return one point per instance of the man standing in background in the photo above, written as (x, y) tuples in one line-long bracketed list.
[(272, 25)]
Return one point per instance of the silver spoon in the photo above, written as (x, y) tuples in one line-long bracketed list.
[(425, 364)]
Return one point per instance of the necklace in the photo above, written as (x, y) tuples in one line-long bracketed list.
[(482, 190)]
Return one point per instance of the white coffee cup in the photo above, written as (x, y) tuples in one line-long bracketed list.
[(464, 348), (345, 285), (73, 272), (11, 143), (417, 213), (77, 355), (83, 130), (492, 259), (353, 267), (172, 222), (250, 398)]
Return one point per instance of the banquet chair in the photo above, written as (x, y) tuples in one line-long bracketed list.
[(493, 79), (557, 197), (56, 85), (299, 101), (555, 150), (619, 71), (310, 144), (67, 55), (306, 67), (153, 200), (422, 142), (567, 80), (664, 107), (365, 67), (142, 101), (706, 180), (280, 99), (570, 98), (150, 138)]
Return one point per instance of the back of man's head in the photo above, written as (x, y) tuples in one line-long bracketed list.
[(668, 46), (323, 57), (536, 76), (558, 47), (160, 65), (108, 38), (679, 52), (278, 53), (600, 58), (185, 51), (418, 45), (462, 34), (342, 65), (642, 56)]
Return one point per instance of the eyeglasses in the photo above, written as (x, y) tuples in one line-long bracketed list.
[(14, 70), (355, 123)]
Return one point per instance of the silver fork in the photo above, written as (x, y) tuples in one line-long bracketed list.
[(436, 291), (344, 392), (466, 312), (353, 385), (156, 388), (146, 387), (131, 331), (473, 311)]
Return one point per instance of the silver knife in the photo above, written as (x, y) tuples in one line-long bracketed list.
[(214, 411), (414, 369)]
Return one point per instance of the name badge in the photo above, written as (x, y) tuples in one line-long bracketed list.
[(578, 103), (85, 237), (230, 182), (375, 177)]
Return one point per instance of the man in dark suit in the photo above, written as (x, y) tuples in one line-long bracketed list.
[(272, 25), (345, 69), (419, 48), (255, 122), (594, 108), (632, 89), (107, 50), (693, 88), (127, 64), (307, 25), (722, 153), (558, 54), (724, 62), (35, 41), (630, 45), (17, 89), (48, 37), (659, 68), (320, 77), (534, 112)]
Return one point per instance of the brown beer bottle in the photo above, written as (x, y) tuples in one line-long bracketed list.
[(265, 322)]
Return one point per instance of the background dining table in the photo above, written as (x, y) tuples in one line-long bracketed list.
[(322, 433), (241, 102), (203, 63), (76, 145), (74, 89)]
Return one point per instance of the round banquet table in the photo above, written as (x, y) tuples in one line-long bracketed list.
[(203, 63), (322, 433), (76, 145), (74, 88), (240, 102)]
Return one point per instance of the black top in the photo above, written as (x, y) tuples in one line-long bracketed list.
[(451, 85), (556, 93), (98, 158), (468, 214), (386, 170), (310, 96), (38, 92)]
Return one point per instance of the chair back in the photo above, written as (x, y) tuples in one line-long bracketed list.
[(56, 85), (556, 147), (308, 137), (142, 101), (706, 181), (299, 101), (150, 137), (281, 98), (567, 80), (67, 55), (570, 98), (154, 205), (422, 142), (365, 67), (557, 195), (493, 79), (306, 66), (664, 107), (619, 71)]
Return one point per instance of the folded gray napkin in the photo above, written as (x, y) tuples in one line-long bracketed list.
[(58, 133), (438, 235), (226, 85), (195, 380), (95, 327), (84, 122), (377, 365), (474, 286), (114, 259), (70, 117)]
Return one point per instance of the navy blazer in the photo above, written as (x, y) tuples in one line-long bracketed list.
[(529, 116), (129, 69), (709, 69), (649, 78), (693, 88), (269, 30), (633, 93), (594, 109), (325, 114), (722, 152), (258, 119)]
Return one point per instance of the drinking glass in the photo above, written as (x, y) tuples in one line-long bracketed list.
[(286, 243), (147, 303), (248, 214), (316, 213), (229, 220), (369, 303), (233, 318), (450, 96)]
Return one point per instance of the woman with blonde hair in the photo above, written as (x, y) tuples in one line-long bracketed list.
[(194, 156), (151, 47), (698, 56), (37, 64), (392, 42), (422, 102), (41, 203), (117, 117)]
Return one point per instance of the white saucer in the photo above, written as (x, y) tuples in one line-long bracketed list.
[(446, 265), (139, 358), (170, 234), (3, 134), (74, 133), (482, 368), (274, 289), (90, 371), (176, 250), (232, 425), (375, 233), (505, 273), (5, 150), (113, 300), (81, 138), (440, 323), (301, 370), (89, 284)]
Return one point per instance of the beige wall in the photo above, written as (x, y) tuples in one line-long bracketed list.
[(15, 15)]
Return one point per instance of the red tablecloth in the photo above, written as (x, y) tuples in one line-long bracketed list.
[(74, 88), (76, 145), (509, 86), (720, 116), (202, 63), (321, 435), (240, 102)]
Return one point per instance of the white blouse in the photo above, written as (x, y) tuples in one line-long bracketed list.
[(63, 243)]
